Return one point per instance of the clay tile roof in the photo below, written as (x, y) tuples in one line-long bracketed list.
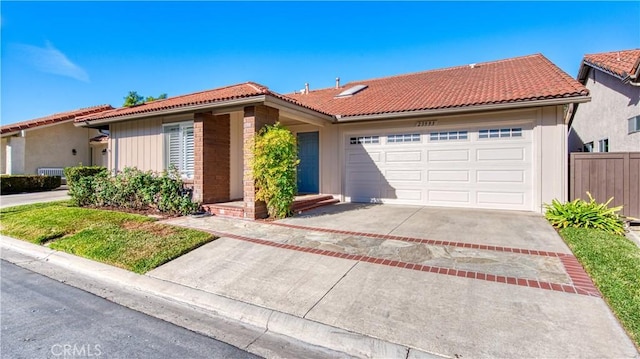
[(244, 90), (519, 79), (99, 139), (55, 118), (620, 63)]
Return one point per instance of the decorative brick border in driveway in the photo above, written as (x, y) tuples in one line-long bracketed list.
[(582, 284), (424, 241)]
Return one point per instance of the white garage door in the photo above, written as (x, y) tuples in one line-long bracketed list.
[(488, 167)]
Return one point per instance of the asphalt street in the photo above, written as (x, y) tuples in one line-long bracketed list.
[(43, 318), (10, 200)]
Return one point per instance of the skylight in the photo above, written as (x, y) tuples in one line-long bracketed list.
[(352, 91)]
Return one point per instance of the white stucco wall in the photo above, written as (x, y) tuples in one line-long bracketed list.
[(53, 146), (606, 115), (3, 155), (46, 146)]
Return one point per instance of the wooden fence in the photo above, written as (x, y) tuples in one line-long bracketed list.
[(606, 175)]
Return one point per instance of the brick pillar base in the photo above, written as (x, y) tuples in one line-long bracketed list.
[(211, 181), (255, 117)]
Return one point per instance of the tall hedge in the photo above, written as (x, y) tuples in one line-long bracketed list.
[(275, 158), (28, 183)]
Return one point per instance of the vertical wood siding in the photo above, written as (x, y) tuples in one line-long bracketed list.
[(607, 175), (137, 144)]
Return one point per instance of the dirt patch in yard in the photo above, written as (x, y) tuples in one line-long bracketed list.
[(157, 229)]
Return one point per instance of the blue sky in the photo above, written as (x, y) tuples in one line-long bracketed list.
[(60, 56)]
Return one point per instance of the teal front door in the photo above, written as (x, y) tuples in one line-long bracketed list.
[(308, 171)]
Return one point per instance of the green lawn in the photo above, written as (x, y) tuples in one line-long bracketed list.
[(613, 262), (129, 241)]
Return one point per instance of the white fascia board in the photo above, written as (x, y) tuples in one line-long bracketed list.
[(459, 110)]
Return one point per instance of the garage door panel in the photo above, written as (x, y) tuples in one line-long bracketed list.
[(449, 196), (492, 176), (404, 195), (500, 198), (363, 157), (403, 176), (448, 155), (403, 156), (501, 154), (448, 175)]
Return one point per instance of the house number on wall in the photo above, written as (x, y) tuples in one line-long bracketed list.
[(426, 123)]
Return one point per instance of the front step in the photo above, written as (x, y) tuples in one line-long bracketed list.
[(224, 211), (303, 204), (310, 202), (309, 206)]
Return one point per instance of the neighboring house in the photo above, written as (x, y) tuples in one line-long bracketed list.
[(611, 121), (487, 135), (47, 144)]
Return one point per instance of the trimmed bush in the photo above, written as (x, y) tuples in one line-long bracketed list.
[(133, 189), (73, 174), (275, 158), (581, 214), (80, 181), (28, 183)]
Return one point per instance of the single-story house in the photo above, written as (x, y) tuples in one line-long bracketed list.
[(48, 144), (611, 121), (486, 135)]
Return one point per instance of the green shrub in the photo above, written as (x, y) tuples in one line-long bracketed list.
[(80, 181), (581, 214), (133, 189), (28, 183), (73, 174), (275, 157)]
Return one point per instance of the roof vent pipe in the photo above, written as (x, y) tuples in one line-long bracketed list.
[(306, 87), (337, 82)]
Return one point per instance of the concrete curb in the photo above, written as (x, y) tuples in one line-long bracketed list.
[(259, 330)]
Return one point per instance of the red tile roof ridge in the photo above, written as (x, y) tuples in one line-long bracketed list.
[(54, 118), (258, 87), (478, 64), (255, 86)]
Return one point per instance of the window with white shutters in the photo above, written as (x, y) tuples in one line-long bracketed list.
[(179, 147)]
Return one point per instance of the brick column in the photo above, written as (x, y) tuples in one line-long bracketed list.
[(255, 117), (212, 158)]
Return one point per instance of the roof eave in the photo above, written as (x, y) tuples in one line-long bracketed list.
[(173, 111), (457, 110)]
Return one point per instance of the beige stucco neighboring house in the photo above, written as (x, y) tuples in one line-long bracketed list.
[(46, 145), (486, 135), (611, 121)]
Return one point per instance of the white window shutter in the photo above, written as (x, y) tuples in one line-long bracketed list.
[(188, 165), (172, 146)]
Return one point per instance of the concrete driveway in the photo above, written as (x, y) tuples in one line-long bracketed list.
[(450, 282), (10, 200)]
